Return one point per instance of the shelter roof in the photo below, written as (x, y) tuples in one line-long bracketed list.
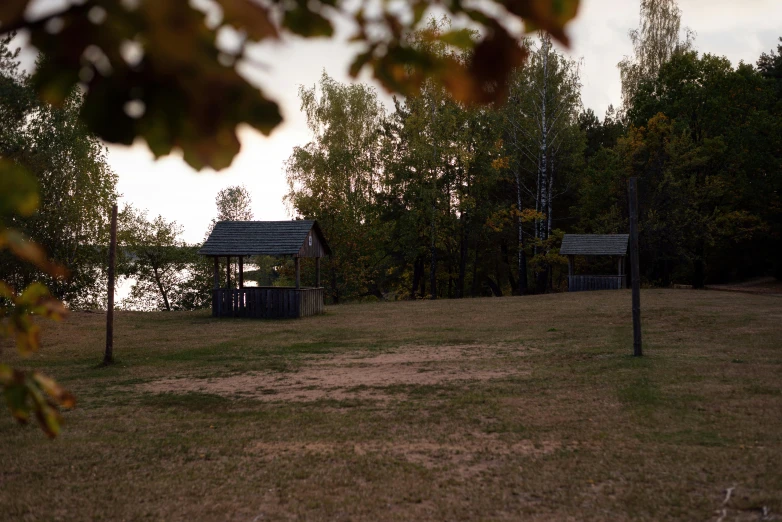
[(594, 244), (251, 238)]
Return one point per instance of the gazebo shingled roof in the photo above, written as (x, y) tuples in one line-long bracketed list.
[(594, 244), (251, 238)]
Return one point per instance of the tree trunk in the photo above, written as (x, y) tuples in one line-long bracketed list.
[(506, 262), (417, 273), (475, 282), (423, 280), (162, 290), (334, 289), (522, 258), (433, 266), (699, 274), (496, 290), (462, 260)]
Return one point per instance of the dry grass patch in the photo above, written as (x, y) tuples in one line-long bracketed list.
[(357, 375), (480, 409)]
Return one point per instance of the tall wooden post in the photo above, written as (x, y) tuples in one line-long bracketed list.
[(215, 293), (634, 266), (241, 272), (108, 355), (228, 272), (298, 278), (317, 272)]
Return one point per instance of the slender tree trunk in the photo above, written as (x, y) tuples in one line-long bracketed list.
[(549, 212), (506, 262), (536, 222), (462, 257), (544, 194), (417, 269), (423, 280), (521, 258), (162, 290), (699, 275), (495, 288), (433, 245), (475, 283)]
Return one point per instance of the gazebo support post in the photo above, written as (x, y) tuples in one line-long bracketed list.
[(241, 272), (228, 272), (298, 277), (215, 293), (317, 272), (570, 263)]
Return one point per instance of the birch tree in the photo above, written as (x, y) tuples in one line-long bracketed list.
[(541, 130), (655, 40)]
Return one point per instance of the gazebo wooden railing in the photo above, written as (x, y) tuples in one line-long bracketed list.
[(267, 302), (580, 283)]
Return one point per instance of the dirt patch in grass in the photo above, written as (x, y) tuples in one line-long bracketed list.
[(357, 375), (520, 408)]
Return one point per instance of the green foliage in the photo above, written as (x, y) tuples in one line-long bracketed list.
[(168, 274), (53, 165), (234, 204), (335, 179)]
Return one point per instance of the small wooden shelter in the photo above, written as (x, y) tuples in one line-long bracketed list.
[(265, 238), (614, 245)]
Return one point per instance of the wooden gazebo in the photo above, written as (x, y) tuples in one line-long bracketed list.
[(241, 239), (614, 245)]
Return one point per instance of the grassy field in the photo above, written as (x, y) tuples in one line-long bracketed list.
[(481, 409)]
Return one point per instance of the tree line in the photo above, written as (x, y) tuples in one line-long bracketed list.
[(436, 198)]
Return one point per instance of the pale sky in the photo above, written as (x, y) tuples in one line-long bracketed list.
[(738, 30)]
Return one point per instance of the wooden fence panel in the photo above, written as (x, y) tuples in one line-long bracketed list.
[(582, 283), (267, 302)]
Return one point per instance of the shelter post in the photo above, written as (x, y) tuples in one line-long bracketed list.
[(570, 265), (217, 272), (317, 272), (298, 278), (241, 271), (228, 272)]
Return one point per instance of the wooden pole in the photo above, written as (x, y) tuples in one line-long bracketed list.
[(298, 279), (228, 272), (108, 355), (215, 293), (317, 272), (634, 266), (241, 272)]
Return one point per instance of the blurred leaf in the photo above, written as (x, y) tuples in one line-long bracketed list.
[(304, 22), (18, 190), (492, 61), (11, 11), (27, 250), (546, 15), (462, 38), (250, 17), (186, 94), (61, 396)]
